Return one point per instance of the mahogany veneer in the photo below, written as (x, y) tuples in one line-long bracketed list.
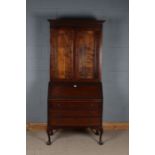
[(75, 97)]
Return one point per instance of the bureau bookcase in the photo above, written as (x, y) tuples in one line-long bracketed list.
[(75, 97)]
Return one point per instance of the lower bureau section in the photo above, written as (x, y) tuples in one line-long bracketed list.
[(83, 121)]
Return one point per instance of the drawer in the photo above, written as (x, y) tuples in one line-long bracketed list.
[(83, 121), (73, 113), (74, 105)]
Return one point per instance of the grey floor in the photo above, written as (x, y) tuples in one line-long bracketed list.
[(76, 142)]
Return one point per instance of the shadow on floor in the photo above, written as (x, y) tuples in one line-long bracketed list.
[(107, 136)]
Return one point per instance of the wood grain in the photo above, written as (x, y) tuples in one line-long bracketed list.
[(75, 50), (63, 54), (85, 48)]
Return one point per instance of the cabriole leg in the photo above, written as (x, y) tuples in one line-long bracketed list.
[(96, 132), (100, 137), (49, 133)]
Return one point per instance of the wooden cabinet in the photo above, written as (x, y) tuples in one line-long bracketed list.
[(75, 90)]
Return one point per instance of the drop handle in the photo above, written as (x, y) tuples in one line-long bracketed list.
[(75, 86)]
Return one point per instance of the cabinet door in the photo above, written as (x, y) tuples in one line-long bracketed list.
[(62, 54), (86, 55)]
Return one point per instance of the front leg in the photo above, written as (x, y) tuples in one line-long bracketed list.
[(100, 137), (96, 132), (49, 133)]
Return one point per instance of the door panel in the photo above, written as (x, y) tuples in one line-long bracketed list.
[(62, 61), (86, 54)]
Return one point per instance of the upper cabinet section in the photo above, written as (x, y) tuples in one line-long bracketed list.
[(75, 50)]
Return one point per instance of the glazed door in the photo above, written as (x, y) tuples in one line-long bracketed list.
[(62, 54), (86, 55)]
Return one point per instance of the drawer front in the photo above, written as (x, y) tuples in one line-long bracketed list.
[(70, 105), (74, 113), (85, 121)]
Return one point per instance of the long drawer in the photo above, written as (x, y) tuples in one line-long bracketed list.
[(75, 105), (74, 113), (83, 121)]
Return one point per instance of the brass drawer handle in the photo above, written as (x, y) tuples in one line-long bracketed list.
[(75, 86)]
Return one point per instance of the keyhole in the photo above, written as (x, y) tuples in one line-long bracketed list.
[(74, 85)]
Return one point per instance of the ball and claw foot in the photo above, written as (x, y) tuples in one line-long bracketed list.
[(100, 143), (48, 143)]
